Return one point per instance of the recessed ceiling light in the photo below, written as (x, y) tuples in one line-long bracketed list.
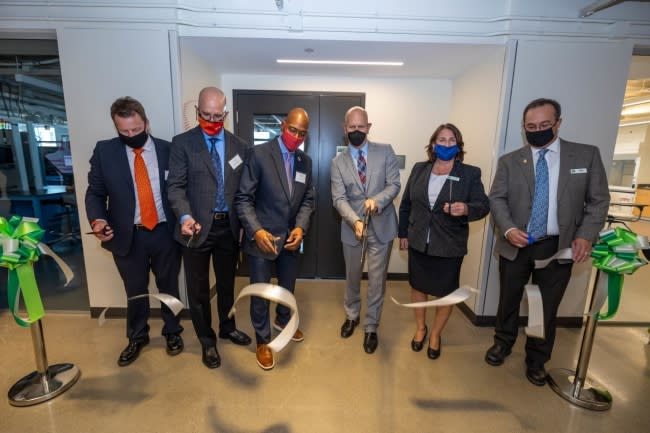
[(339, 62)]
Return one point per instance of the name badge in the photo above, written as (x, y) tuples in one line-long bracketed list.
[(235, 162), (454, 178), (301, 177), (578, 170), (166, 174)]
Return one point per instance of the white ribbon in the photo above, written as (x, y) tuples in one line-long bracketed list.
[(455, 297), (563, 254), (535, 326), (280, 295), (172, 303), (600, 296), (67, 272)]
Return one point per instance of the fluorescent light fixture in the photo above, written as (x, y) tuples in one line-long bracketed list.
[(338, 62), (636, 109), (37, 82), (641, 122), (637, 102)]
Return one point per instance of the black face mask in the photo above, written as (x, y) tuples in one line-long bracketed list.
[(356, 137), (540, 138), (136, 141)]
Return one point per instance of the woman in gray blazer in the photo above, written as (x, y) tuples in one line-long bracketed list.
[(441, 197)]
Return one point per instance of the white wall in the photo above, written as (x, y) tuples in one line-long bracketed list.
[(475, 111), (98, 66), (195, 75), (403, 112), (588, 79)]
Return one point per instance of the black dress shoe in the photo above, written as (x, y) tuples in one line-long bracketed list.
[(536, 376), (416, 346), (237, 337), (496, 354), (211, 357), (174, 344), (131, 352), (348, 327), (435, 353), (370, 342)]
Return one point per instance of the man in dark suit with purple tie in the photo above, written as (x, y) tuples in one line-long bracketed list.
[(275, 201), (127, 207)]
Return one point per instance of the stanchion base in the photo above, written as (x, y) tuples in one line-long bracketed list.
[(561, 381), (36, 388)]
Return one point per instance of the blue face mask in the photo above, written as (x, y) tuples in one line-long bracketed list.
[(445, 153)]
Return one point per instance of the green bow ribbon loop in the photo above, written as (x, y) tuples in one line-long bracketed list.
[(19, 249), (616, 254)]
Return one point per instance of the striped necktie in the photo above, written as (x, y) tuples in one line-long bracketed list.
[(539, 214), (220, 200), (361, 167)]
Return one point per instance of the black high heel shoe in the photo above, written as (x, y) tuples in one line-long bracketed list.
[(416, 346), (435, 353)]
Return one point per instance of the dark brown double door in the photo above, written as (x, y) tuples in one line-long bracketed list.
[(257, 119)]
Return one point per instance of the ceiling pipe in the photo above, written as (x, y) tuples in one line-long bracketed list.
[(600, 5)]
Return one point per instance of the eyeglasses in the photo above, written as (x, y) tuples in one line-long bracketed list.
[(297, 132), (218, 117), (532, 127), (351, 128)]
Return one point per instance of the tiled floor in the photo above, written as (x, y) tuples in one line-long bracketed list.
[(324, 384)]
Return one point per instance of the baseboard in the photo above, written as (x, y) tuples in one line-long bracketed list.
[(490, 321), (118, 312)]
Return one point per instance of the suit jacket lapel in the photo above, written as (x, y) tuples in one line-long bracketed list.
[(352, 168), (124, 166), (278, 161), (200, 148), (567, 159), (525, 163), (372, 162)]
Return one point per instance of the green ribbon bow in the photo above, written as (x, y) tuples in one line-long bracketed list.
[(617, 254), (19, 239)]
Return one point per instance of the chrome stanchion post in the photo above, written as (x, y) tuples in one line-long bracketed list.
[(572, 386), (47, 381)]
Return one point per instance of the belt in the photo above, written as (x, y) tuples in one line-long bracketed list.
[(220, 216), (547, 237), (141, 227)]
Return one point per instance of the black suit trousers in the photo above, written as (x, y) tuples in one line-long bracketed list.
[(552, 281), (223, 248), (155, 251)]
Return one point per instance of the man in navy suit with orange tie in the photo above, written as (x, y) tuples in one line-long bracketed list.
[(127, 207)]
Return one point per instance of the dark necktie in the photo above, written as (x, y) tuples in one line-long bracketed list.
[(220, 202), (361, 167), (539, 215), (288, 170)]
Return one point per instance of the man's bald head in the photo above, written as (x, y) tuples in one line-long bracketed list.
[(356, 112), (298, 116), (212, 103)]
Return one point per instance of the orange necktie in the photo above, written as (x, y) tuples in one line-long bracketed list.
[(148, 214)]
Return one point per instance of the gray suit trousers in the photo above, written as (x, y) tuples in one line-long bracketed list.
[(377, 257)]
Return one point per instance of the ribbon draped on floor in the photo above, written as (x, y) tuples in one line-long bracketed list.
[(20, 247), (455, 297), (280, 295)]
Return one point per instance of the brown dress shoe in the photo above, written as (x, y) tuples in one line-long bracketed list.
[(297, 336), (265, 357)]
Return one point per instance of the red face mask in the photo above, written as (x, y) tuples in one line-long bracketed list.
[(210, 128), (291, 142)]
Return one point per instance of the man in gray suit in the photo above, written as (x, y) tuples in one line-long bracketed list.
[(275, 201), (365, 179), (545, 197), (204, 169)]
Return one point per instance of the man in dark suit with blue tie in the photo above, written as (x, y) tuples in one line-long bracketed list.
[(274, 202), (547, 196), (205, 165), (126, 203)]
